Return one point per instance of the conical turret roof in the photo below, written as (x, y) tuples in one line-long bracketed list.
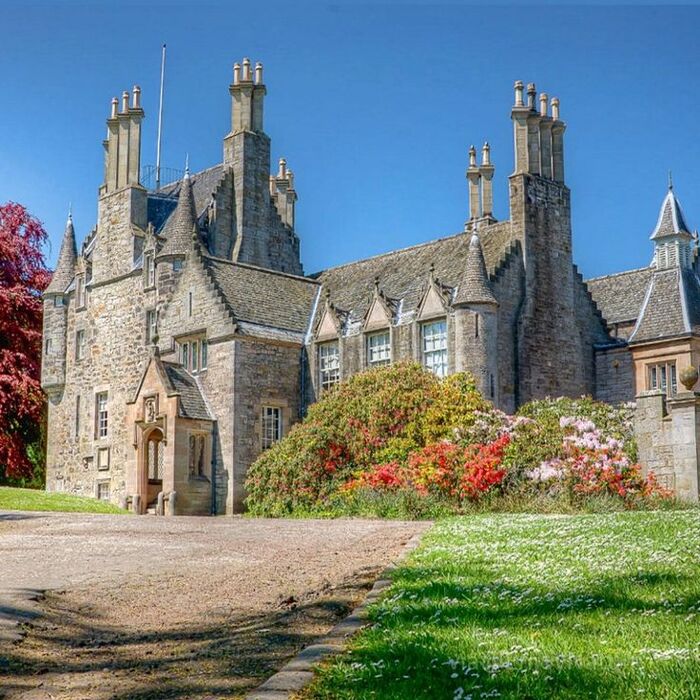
[(178, 229), (65, 267), (671, 221), (474, 287)]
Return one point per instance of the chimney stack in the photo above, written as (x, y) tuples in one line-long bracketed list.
[(473, 178)]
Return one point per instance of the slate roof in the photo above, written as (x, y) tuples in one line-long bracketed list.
[(671, 306), (405, 274), (474, 286), (619, 297), (65, 267), (671, 221), (192, 404), (162, 203), (264, 297), (181, 224)]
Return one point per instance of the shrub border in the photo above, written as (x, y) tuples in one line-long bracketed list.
[(297, 673)]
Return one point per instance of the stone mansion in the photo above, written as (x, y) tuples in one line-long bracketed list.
[(183, 337)]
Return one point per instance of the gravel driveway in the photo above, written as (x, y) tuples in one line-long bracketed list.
[(146, 607)]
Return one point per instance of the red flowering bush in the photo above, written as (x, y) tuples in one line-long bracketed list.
[(483, 468)]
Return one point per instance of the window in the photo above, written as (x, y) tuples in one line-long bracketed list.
[(434, 346), (48, 347), (271, 426), (151, 326), (197, 445), (101, 414), (103, 490), (149, 268), (80, 291), (190, 304), (193, 354), (58, 300), (77, 417), (378, 349), (476, 325), (177, 265), (80, 345), (663, 377), (329, 364)]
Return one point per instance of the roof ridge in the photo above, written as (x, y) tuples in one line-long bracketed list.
[(248, 266), (392, 252), (618, 274)]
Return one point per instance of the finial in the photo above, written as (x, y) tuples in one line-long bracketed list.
[(187, 166), (432, 271), (328, 294), (486, 154), (125, 101), (236, 73), (472, 156), (543, 104), (258, 73), (555, 108), (115, 106), (670, 180), (136, 97), (70, 212), (518, 93), (376, 283)]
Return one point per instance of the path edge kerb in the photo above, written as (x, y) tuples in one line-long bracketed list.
[(297, 673)]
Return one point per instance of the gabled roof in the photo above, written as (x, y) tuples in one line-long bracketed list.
[(403, 274), (264, 297), (474, 287), (671, 221), (65, 267), (619, 297), (671, 306), (192, 404)]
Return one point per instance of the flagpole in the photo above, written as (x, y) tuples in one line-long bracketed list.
[(160, 118)]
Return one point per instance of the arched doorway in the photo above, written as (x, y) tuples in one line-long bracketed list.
[(154, 464)]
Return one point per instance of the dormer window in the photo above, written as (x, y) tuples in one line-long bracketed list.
[(434, 346), (379, 349), (328, 364)]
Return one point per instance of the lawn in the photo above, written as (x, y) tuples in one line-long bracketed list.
[(535, 606), (30, 499)]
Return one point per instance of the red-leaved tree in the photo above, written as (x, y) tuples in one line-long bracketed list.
[(23, 277)]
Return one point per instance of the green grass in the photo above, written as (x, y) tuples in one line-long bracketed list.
[(29, 499), (535, 606)]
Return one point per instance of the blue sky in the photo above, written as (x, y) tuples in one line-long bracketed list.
[(374, 107)]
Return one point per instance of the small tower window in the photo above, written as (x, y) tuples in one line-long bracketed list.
[(58, 300), (80, 345), (77, 417), (80, 296), (101, 415), (151, 326), (149, 267), (190, 303)]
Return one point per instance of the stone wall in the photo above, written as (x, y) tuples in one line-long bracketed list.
[(265, 374), (614, 371), (668, 432)]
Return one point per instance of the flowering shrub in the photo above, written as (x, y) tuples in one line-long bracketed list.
[(398, 441), (595, 465)]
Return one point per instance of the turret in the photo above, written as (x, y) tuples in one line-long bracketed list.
[(671, 235), (53, 364), (476, 322), (181, 224), (122, 199)]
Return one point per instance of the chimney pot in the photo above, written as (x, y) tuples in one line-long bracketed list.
[(555, 108), (283, 168), (518, 93), (486, 154), (472, 156), (258, 73), (236, 73), (115, 107), (531, 95), (125, 101), (246, 69), (136, 97), (543, 104)]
